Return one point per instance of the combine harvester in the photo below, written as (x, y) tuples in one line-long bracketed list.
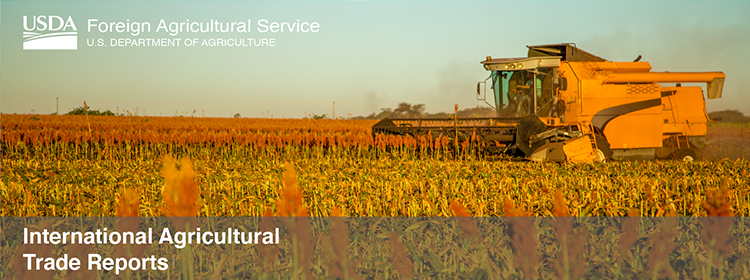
[(564, 104)]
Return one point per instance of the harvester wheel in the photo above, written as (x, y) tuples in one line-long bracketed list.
[(600, 156), (603, 145), (528, 126), (685, 155)]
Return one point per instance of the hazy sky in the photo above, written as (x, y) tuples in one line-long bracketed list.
[(365, 56)]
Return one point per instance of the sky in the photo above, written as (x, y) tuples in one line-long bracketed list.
[(366, 55)]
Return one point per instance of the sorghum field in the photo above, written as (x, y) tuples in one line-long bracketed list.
[(79, 166), (84, 165)]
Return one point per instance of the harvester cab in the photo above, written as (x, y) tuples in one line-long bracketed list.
[(522, 86)]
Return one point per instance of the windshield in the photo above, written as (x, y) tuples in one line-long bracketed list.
[(523, 92)]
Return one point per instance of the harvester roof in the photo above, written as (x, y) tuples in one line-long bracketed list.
[(520, 63), (568, 51)]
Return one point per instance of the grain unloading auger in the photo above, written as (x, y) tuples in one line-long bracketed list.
[(561, 103)]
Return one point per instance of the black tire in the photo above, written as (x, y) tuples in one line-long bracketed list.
[(528, 126), (603, 145), (685, 155)]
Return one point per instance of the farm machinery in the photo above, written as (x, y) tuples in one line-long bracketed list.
[(562, 103)]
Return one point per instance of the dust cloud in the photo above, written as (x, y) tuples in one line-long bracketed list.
[(457, 83), (727, 143), (373, 102)]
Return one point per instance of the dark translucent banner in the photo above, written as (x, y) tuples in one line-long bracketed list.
[(374, 248)]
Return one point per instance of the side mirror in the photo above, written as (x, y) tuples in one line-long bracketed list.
[(563, 83), (479, 87)]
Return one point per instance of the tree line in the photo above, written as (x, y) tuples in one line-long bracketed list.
[(408, 110)]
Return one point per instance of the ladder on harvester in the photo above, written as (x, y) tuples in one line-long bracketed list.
[(583, 149)]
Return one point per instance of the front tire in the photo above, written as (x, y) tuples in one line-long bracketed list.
[(600, 156), (603, 145), (685, 155)]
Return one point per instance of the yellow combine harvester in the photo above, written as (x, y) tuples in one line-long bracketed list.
[(564, 104)]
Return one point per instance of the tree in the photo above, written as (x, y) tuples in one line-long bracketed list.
[(418, 110), (402, 109), (82, 111), (729, 116), (384, 113), (406, 110)]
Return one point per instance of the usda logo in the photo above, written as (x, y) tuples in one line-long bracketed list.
[(49, 33)]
